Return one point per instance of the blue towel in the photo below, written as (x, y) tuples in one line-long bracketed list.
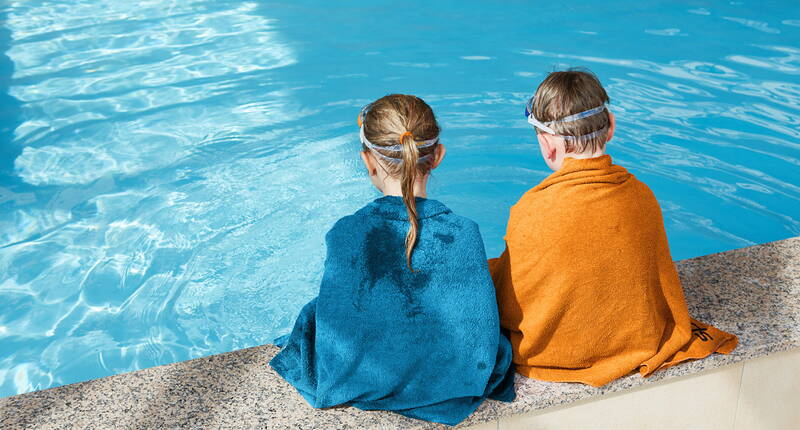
[(426, 345)]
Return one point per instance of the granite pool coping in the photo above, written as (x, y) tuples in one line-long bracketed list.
[(753, 292)]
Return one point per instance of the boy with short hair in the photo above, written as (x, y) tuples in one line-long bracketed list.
[(586, 286)]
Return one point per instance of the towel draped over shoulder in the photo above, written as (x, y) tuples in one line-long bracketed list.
[(587, 287), (425, 344)]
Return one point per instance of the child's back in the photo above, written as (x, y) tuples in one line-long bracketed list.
[(587, 287), (426, 342), (389, 338)]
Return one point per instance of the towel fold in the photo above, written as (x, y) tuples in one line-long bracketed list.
[(587, 287), (425, 344)]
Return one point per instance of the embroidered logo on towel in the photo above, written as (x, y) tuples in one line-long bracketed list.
[(701, 332)]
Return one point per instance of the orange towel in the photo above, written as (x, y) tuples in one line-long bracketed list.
[(587, 287)]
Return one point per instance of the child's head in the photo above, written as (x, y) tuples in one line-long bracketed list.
[(570, 116), (400, 147)]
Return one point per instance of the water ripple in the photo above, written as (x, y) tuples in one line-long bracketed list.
[(132, 77)]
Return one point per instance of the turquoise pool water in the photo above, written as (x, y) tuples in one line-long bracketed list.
[(168, 169)]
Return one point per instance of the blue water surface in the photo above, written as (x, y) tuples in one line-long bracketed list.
[(168, 168)]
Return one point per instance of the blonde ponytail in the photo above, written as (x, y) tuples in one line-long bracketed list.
[(403, 119), (408, 178)]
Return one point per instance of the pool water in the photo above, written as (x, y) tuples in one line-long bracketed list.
[(168, 169)]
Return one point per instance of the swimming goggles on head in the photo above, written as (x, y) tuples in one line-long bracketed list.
[(392, 148), (545, 126)]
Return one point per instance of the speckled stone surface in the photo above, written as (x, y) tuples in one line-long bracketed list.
[(753, 292)]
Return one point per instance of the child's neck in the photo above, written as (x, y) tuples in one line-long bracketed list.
[(587, 154), (392, 187)]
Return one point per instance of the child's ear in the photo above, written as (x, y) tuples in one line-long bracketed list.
[(612, 125), (547, 145), (438, 155), (369, 163)]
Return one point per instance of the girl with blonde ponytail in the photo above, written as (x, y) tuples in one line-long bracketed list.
[(406, 318)]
